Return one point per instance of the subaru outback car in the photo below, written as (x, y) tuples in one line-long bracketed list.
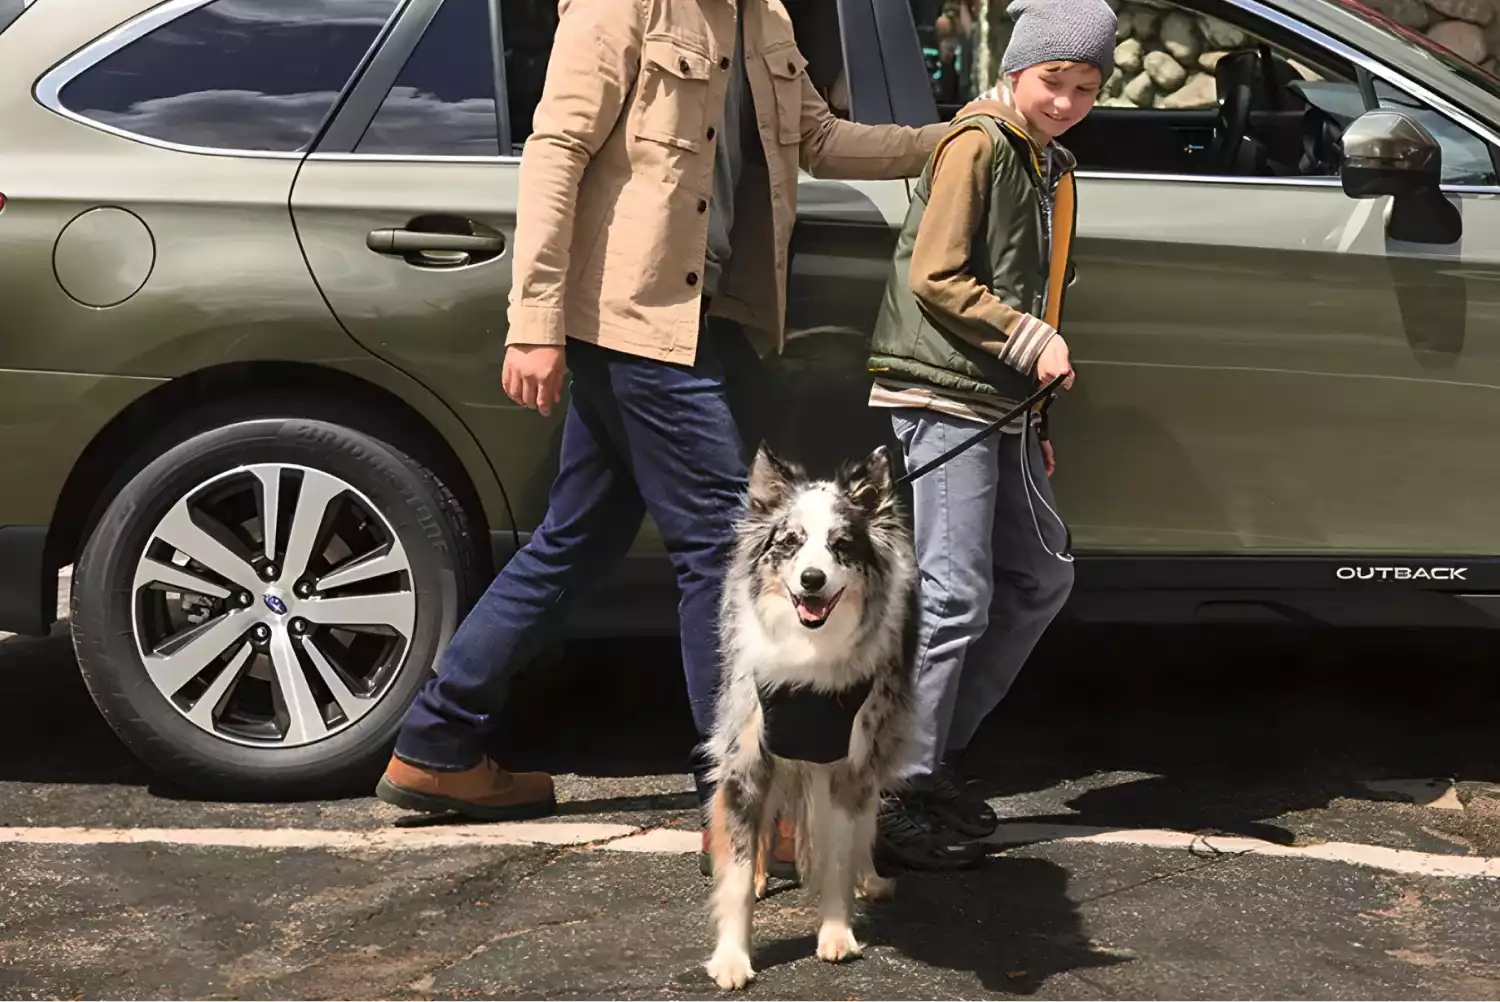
[(253, 261)]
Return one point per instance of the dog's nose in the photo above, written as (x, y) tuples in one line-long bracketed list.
[(813, 579)]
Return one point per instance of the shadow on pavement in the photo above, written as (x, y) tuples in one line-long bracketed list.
[(1234, 727), (1011, 922), (1212, 730)]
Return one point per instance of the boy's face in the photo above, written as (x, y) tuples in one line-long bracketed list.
[(1055, 96)]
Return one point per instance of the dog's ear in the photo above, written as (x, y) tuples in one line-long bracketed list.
[(771, 480), (868, 483)]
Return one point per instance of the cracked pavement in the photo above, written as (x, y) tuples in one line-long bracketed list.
[(1292, 739)]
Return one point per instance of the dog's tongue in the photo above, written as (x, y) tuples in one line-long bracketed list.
[(812, 609)]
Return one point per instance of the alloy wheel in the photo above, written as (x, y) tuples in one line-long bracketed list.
[(273, 605)]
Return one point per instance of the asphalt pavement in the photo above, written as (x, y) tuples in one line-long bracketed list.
[(1228, 813)]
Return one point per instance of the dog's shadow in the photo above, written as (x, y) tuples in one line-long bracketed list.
[(1010, 921)]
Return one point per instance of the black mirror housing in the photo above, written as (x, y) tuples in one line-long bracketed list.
[(1388, 152)]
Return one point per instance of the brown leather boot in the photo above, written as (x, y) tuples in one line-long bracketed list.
[(486, 792)]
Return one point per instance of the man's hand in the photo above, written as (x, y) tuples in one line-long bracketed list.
[(533, 375), (1049, 460), (1054, 362)]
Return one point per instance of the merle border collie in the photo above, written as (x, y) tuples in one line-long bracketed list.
[(816, 630)]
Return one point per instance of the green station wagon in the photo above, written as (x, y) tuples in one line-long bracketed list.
[(253, 262)]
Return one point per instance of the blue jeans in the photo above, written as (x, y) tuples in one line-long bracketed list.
[(639, 436), (991, 580)]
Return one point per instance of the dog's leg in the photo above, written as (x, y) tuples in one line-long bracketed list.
[(831, 833), (732, 832), (868, 884), (765, 836)]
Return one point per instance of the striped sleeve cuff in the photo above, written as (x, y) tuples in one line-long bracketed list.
[(1025, 343)]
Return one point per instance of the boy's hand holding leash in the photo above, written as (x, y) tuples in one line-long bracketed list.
[(1054, 362)]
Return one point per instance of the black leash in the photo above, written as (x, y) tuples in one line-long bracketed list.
[(983, 433)]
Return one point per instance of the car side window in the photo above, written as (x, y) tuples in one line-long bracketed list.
[(443, 100), (232, 74), (528, 27), (1181, 76)]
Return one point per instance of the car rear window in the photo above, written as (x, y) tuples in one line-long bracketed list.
[(243, 75)]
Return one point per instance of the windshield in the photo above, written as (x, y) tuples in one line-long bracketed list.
[(1449, 60)]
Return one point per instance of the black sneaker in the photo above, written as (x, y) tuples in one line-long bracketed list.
[(910, 836), (954, 806)]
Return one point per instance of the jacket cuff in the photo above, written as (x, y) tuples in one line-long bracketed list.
[(531, 324), (1025, 343)]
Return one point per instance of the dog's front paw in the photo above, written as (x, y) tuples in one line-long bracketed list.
[(836, 942), (730, 968), (873, 887)]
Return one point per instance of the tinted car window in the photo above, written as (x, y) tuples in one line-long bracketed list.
[(529, 27), (443, 101), (234, 74)]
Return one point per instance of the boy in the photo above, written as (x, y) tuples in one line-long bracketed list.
[(968, 328)]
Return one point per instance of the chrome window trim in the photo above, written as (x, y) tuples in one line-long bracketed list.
[(404, 158), (48, 89), (1267, 182)]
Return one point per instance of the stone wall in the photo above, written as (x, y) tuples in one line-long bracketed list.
[(1166, 56)]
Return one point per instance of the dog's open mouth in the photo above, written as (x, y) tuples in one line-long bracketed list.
[(814, 610)]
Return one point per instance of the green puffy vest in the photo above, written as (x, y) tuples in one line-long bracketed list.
[(1010, 256)]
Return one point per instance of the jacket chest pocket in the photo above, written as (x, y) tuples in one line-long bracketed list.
[(786, 65), (673, 94)]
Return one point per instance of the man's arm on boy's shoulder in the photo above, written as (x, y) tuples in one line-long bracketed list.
[(850, 151), (957, 209), (593, 66)]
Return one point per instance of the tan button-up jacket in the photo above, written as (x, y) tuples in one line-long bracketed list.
[(612, 227)]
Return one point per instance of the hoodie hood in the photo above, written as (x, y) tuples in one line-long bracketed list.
[(1000, 102)]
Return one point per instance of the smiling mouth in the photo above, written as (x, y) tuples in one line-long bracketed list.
[(814, 610)]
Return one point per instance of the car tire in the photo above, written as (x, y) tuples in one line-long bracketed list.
[(426, 525)]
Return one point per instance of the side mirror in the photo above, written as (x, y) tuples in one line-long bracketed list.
[(1388, 152)]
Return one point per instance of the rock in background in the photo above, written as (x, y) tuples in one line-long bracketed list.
[(1166, 57)]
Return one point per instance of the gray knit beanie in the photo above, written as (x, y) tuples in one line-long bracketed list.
[(1081, 30)]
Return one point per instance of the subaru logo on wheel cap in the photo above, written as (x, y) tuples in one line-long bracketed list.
[(275, 604)]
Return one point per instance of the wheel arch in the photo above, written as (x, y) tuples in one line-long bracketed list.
[(426, 429)]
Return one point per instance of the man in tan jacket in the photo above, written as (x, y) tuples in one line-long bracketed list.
[(659, 186)]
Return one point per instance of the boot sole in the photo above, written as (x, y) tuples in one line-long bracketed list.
[(431, 803)]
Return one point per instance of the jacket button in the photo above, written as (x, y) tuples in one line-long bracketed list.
[(791, 67), (723, 62), (712, 132), (692, 278), (702, 205), (682, 64)]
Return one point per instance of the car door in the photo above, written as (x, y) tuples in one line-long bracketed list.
[(406, 210), (1262, 369), (844, 239)]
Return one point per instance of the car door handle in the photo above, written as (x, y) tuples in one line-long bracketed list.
[(402, 241)]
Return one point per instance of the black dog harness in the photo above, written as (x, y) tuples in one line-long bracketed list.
[(809, 726)]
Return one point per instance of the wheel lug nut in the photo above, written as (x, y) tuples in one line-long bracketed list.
[(299, 626), (261, 632), (268, 572), (246, 598), (304, 589)]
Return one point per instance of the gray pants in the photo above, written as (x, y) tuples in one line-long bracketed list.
[(991, 579)]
